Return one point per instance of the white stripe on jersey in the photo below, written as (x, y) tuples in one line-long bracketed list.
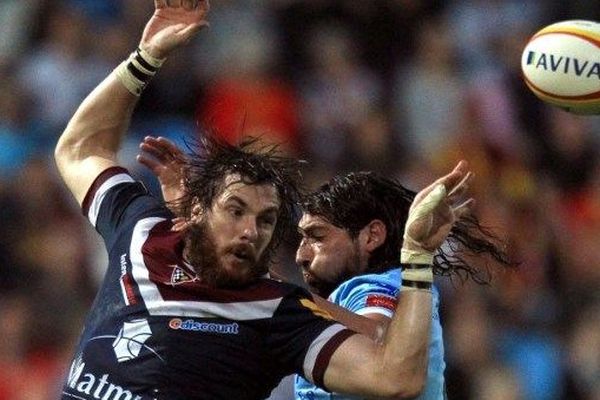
[(156, 305), (376, 310), (94, 209), (315, 348)]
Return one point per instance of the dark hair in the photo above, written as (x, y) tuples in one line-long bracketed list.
[(212, 159), (353, 200)]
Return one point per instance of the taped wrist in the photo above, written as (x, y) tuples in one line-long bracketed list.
[(137, 70), (417, 276), (416, 257), (421, 210)]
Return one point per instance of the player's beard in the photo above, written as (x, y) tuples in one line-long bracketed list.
[(324, 287), (201, 253), (321, 287)]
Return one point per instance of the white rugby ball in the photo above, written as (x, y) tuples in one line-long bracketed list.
[(561, 65)]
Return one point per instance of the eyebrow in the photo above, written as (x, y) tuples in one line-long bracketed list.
[(242, 203), (308, 230)]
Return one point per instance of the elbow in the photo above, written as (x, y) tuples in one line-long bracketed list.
[(411, 390), (405, 386), (406, 391), (63, 152), (60, 151)]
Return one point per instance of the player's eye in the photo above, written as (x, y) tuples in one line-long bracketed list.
[(235, 211), (268, 221), (317, 238)]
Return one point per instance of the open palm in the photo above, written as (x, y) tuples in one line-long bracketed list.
[(436, 208), (167, 163), (173, 23)]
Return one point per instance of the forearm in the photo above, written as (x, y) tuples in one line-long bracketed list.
[(100, 122), (394, 369), (404, 355)]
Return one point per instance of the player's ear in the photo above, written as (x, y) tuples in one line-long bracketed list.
[(376, 233)]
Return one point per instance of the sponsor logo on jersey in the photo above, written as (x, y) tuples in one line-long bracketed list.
[(89, 384), (191, 325), (126, 282), (377, 300), (130, 339)]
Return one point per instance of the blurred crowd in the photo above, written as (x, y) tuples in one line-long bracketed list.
[(402, 87)]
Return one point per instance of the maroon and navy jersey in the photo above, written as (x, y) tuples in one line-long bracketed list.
[(156, 332)]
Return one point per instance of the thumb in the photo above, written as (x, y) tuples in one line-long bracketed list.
[(191, 30), (427, 204)]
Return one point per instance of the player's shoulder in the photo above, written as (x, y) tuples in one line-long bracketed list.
[(116, 197)]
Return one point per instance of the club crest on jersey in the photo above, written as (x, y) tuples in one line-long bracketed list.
[(179, 276)]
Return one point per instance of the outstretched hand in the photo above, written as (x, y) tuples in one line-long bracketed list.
[(167, 163), (173, 24), (434, 211)]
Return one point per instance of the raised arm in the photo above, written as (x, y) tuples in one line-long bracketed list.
[(395, 368), (91, 140)]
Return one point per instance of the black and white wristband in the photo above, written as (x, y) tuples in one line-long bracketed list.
[(417, 276), (137, 71)]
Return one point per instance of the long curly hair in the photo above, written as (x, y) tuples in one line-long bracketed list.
[(211, 159), (353, 200)]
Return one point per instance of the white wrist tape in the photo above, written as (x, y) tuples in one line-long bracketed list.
[(421, 210), (137, 71), (416, 257), (418, 275)]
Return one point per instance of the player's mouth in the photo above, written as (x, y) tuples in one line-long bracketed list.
[(243, 254)]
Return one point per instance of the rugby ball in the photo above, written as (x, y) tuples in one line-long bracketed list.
[(561, 65)]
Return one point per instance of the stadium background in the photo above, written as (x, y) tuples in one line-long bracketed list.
[(403, 87)]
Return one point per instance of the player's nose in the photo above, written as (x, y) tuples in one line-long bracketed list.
[(303, 255), (249, 229)]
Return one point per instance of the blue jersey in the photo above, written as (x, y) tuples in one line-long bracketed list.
[(377, 294), (155, 332)]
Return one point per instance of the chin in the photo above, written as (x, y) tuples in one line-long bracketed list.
[(235, 276), (320, 287)]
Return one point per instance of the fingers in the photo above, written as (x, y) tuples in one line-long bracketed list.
[(457, 193), (463, 209), (192, 29), (180, 224), (188, 5), (170, 147), (162, 149), (460, 177), (150, 163), (167, 147), (456, 176), (204, 5)]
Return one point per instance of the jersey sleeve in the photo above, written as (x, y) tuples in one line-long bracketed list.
[(116, 200), (304, 337), (370, 294)]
